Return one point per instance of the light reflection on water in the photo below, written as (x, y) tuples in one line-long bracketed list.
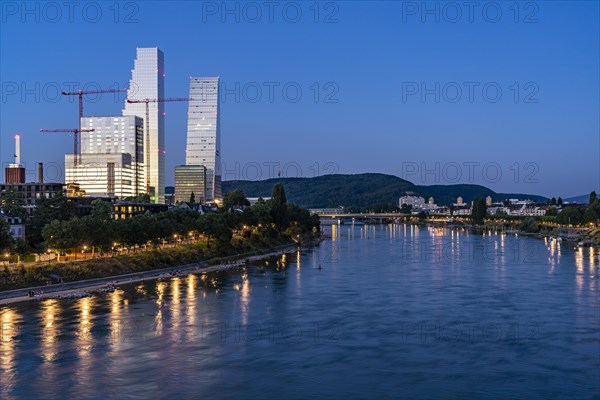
[(394, 311)]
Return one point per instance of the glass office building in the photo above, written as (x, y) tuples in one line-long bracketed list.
[(111, 157), (102, 174), (190, 179), (147, 82), (204, 133)]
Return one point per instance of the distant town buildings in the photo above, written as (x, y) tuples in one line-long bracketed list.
[(515, 207), (204, 135), (147, 82), (416, 202)]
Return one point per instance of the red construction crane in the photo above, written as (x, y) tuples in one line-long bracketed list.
[(81, 93), (75, 132), (147, 129)]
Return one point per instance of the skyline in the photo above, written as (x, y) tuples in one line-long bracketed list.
[(356, 114)]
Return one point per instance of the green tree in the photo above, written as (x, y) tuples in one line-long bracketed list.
[(6, 239), (552, 211), (553, 201), (216, 227), (570, 216), (47, 210), (530, 225), (12, 204), (21, 248), (192, 198), (406, 208), (591, 215), (235, 198), (102, 210), (593, 197), (279, 206), (559, 202), (140, 198), (479, 211), (63, 236)]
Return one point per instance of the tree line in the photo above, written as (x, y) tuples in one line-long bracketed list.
[(53, 225)]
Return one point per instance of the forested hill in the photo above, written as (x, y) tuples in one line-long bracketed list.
[(363, 190)]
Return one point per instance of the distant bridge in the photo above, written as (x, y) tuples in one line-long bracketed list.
[(376, 217), (363, 215)]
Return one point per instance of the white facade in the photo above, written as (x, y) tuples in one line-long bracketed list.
[(147, 82), (117, 135), (111, 157), (16, 226), (103, 174), (204, 133), (416, 202)]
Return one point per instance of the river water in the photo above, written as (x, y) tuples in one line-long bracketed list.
[(394, 311)]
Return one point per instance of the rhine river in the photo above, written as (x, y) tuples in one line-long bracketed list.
[(395, 311)]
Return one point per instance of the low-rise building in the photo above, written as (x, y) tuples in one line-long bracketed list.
[(16, 226), (416, 202), (30, 193), (127, 210)]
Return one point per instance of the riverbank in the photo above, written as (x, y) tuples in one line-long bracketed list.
[(589, 239), (41, 277), (83, 288)]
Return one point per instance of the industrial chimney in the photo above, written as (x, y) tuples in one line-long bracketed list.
[(18, 149), (15, 173), (40, 172)]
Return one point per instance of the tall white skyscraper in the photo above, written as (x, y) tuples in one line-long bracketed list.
[(204, 133), (147, 82)]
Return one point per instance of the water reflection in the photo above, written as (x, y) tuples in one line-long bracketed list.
[(158, 320), (49, 311), (220, 334), (8, 332), (84, 342)]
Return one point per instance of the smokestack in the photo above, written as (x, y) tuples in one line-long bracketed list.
[(40, 172), (18, 149)]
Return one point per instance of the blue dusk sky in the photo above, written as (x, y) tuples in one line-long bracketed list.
[(504, 94)]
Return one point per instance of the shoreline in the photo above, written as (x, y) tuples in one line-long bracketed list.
[(83, 288)]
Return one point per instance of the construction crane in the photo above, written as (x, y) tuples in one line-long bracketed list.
[(147, 129), (75, 132), (82, 93)]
